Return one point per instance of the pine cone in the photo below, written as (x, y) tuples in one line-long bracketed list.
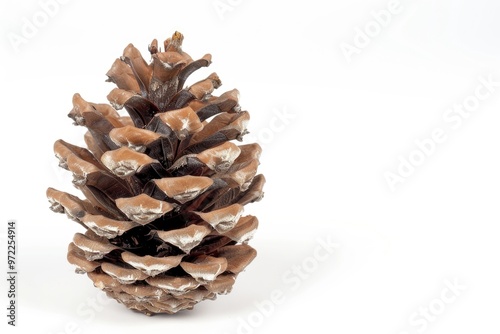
[(165, 186)]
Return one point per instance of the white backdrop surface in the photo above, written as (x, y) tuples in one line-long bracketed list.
[(380, 127)]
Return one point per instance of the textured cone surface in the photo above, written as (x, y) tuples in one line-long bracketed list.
[(164, 184)]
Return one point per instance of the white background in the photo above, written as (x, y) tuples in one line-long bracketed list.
[(325, 166)]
